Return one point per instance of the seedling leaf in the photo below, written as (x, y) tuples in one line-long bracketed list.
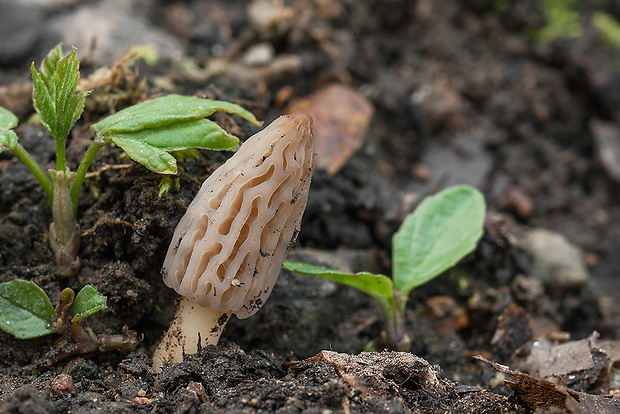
[(87, 302), (379, 287), (164, 111), (25, 310), (199, 133), (442, 230), (8, 138), (8, 121), (54, 95), (165, 185), (44, 89), (152, 147), (153, 158), (42, 99), (49, 63), (65, 300), (149, 131)]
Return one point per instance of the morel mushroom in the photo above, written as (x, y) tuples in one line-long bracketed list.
[(227, 250)]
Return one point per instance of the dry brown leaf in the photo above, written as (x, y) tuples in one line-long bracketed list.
[(341, 117), (535, 394), (577, 364)]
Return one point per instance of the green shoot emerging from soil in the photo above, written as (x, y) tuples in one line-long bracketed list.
[(150, 133), (440, 232), (26, 312)]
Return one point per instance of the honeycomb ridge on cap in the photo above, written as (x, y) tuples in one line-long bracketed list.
[(228, 248)]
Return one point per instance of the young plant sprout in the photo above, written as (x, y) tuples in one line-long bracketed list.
[(26, 312), (442, 230), (227, 250), (150, 133)]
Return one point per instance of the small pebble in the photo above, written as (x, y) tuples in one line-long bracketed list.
[(558, 263), (518, 202), (62, 385), (261, 54)]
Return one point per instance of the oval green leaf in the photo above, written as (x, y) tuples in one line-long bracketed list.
[(8, 120), (87, 302), (153, 158), (25, 310), (442, 230), (164, 111), (199, 133), (379, 287), (152, 147), (8, 138)]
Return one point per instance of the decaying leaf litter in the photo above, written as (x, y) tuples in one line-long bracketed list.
[(472, 101)]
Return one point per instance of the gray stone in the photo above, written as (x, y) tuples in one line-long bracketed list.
[(557, 262), (607, 139), (112, 27)]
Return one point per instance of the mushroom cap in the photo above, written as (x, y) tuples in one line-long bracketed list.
[(227, 250)]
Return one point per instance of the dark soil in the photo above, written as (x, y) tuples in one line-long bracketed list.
[(461, 94)]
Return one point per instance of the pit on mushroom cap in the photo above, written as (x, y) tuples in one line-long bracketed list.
[(227, 250)]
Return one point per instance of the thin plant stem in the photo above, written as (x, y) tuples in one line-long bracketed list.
[(394, 316), (36, 170), (62, 208), (80, 174), (60, 155)]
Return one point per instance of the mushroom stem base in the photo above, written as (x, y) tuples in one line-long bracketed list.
[(190, 322)]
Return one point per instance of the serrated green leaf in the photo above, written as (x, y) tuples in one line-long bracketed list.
[(69, 105), (54, 94), (153, 158), (165, 111), (165, 185), (25, 310), (42, 99), (440, 232), (49, 63), (379, 287), (87, 302), (46, 72)]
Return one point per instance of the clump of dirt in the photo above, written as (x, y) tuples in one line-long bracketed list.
[(225, 378)]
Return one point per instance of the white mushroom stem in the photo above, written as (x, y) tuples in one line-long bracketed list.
[(190, 322)]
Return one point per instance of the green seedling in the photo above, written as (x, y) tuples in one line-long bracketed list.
[(563, 21), (609, 27), (442, 230), (26, 312), (151, 133)]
